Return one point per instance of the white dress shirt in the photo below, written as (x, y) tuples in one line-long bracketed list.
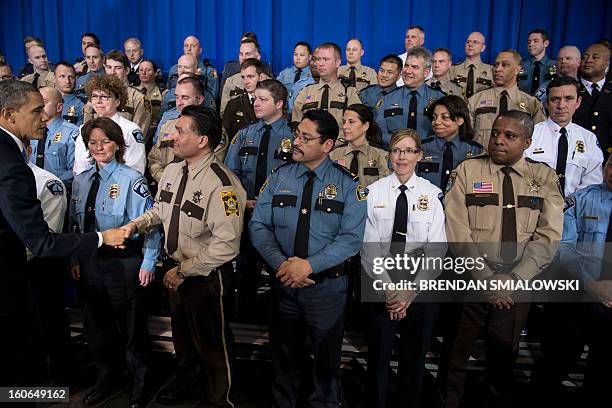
[(589, 84)]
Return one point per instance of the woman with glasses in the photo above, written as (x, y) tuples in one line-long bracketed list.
[(404, 214), (452, 140), (105, 196), (108, 95), (361, 153)]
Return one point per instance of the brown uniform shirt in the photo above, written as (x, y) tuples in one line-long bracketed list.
[(473, 216), (373, 162), (239, 114), (364, 76), (231, 89), (46, 78), (483, 75), (484, 108), (211, 216), (446, 85), (155, 96), (137, 109)]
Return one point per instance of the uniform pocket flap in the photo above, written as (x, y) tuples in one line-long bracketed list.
[(428, 167), (393, 112), (165, 196), (483, 110), (481, 200), (284, 200), (370, 171), (192, 210), (337, 105), (330, 206), (249, 150), (533, 202), (310, 105)]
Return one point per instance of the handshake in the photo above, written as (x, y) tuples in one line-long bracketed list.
[(116, 237)]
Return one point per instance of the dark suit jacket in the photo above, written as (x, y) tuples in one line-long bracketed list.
[(238, 114), (596, 115)]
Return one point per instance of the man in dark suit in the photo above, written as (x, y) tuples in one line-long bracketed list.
[(21, 224)]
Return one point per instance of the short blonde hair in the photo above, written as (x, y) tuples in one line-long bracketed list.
[(402, 134)]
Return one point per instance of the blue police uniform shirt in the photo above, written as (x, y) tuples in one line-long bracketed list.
[(547, 71), (337, 219), (59, 149), (82, 80), (208, 72), (392, 114), (243, 151), (168, 115), (123, 195), (430, 166), (73, 109), (373, 93), (286, 77)]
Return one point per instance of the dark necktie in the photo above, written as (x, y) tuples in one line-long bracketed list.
[(262, 155), (508, 217), (609, 233), (594, 90), (400, 221), (436, 84), (252, 99), (325, 97), (144, 91), (469, 86), (562, 158), (297, 76), (503, 102), (352, 77), (40, 150), (535, 79), (89, 221), (35, 81), (355, 163), (302, 232), (412, 111), (447, 164), (173, 229)]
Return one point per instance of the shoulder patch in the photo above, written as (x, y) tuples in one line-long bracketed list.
[(221, 174), (570, 201), (361, 192), (345, 171), (451, 182), (142, 189), (55, 187), (138, 135), (230, 203)]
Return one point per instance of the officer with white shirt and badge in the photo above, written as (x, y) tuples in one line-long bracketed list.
[(566, 147)]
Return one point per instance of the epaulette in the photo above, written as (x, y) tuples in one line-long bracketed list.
[(282, 165), (479, 156), (221, 174), (139, 91), (339, 145), (459, 63), (345, 171), (316, 83), (530, 160), (395, 90), (368, 87), (474, 143), (427, 140)]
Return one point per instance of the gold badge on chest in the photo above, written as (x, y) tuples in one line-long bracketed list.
[(286, 145), (331, 191), (534, 186), (113, 191), (423, 202)]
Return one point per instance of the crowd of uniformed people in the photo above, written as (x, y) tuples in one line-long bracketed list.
[(225, 184)]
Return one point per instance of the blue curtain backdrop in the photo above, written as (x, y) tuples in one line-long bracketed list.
[(162, 25)]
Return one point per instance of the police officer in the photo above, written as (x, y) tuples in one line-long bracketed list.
[(87, 39), (499, 198), (132, 47), (296, 77), (105, 196), (441, 61), (415, 37), (328, 93), (308, 221), (239, 112), (568, 63), (55, 151), (95, 66), (473, 74), (406, 107), (42, 75), (353, 73), (539, 67), (389, 71), (200, 204), (147, 72), (451, 142), (65, 82), (188, 64), (566, 147), (505, 95), (6, 72)]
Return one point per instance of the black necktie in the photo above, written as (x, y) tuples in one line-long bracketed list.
[(562, 158), (302, 232), (40, 150), (352, 77), (144, 91), (35, 81), (400, 221), (447, 164), (594, 90), (412, 111), (535, 79), (252, 99), (297, 76), (355, 163), (89, 221), (325, 97), (503, 102), (262, 155), (469, 86), (173, 229), (508, 217)]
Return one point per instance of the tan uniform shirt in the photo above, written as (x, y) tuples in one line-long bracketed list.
[(483, 75), (231, 89), (155, 96), (46, 78), (211, 215), (445, 85), (137, 109), (364, 76), (484, 108), (373, 162), (310, 98), (474, 211)]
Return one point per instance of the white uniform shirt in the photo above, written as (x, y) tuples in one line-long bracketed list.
[(135, 154), (584, 156)]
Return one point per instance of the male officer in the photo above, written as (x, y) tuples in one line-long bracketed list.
[(295, 78), (41, 76), (232, 87), (486, 105), (200, 204), (595, 111), (132, 47), (28, 42), (6, 72), (55, 151), (568, 63), (329, 93), (473, 74), (389, 71), (309, 219), (538, 68), (137, 108), (509, 199), (87, 39), (566, 147), (415, 37), (406, 106), (441, 61), (65, 82), (188, 64), (95, 66), (353, 73)]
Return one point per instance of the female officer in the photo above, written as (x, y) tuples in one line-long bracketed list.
[(452, 140), (404, 210), (361, 154), (105, 196)]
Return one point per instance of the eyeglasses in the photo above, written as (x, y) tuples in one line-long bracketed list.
[(104, 98), (408, 152), (473, 42), (104, 142), (305, 140)]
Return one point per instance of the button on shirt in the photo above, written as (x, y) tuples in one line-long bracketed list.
[(287, 76), (337, 220), (584, 157)]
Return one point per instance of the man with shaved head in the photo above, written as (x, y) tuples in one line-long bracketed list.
[(353, 73), (473, 74), (188, 64), (568, 63), (37, 56)]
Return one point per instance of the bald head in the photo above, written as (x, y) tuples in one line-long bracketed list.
[(54, 103), (595, 60), (474, 45), (568, 61), (191, 46), (37, 56), (187, 64)]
